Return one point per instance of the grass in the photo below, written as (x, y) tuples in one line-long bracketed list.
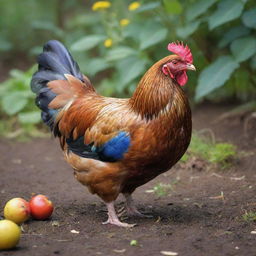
[(212, 152), (249, 216), (162, 189)]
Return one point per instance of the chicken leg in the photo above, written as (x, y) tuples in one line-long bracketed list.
[(113, 219), (131, 209)]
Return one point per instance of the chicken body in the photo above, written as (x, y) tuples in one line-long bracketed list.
[(114, 145)]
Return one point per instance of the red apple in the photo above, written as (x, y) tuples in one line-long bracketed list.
[(41, 207), (17, 210)]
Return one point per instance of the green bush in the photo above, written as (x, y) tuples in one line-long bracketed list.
[(122, 40), (123, 46), (221, 35), (226, 33), (18, 109), (17, 98)]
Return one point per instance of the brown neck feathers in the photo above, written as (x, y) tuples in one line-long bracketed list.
[(154, 92)]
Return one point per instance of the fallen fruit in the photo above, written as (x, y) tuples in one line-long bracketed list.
[(9, 234), (41, 207), (17, 210)]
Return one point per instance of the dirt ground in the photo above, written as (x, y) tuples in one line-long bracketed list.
[(193, 220)]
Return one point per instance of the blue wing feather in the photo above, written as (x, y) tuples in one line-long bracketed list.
[(117, 146), (112, 151)]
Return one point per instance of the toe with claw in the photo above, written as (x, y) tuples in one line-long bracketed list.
[(132, 209), (113, 218)]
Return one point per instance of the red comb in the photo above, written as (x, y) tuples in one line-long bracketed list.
[(181, 50)]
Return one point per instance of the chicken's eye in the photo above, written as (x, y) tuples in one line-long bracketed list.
[(174, 62)]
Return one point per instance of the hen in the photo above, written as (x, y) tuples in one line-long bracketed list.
[(116, 145)]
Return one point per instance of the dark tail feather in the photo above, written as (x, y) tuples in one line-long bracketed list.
[(56, 53), (53, 64)]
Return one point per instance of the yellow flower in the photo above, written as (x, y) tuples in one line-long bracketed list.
[(124, 22), (100, 5), (108, 42), (133, 6)]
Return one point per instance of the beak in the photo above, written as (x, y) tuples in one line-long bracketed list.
[(191, 67)]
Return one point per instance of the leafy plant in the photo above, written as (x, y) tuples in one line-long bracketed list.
[(230, 26), (130, 41), (249, 216), (17, 101), (220, 33), (119, 40), (21, 30), (123, 44)]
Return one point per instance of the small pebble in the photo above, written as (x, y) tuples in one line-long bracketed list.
[(74, 231), (169, 253), (119, 251)]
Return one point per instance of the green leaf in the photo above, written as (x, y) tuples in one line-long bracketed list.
[(85, 19), (47, 25), (133, 30), (32, 117), (14, 102), (152, 37), (130, 68), (172, 6), (119, 53), (147, 7), (249, 18), (198, 8), (96, 65), (233, 34), (215, 75), (227, 10), (243, 48), (87, 42), (188, 30)]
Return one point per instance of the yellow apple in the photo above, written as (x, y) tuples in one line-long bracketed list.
[(17, 210), (9, 234)]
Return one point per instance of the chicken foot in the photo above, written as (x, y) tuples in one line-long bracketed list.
[(113, 219), (131, 208)]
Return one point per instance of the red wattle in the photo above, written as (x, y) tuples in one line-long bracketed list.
[(182, 78)]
